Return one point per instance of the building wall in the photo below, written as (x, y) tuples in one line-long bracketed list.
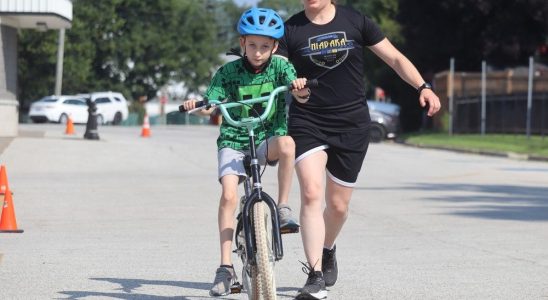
[(8, 62), (8, 81)]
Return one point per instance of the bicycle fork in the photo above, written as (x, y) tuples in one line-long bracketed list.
[(246, 219)]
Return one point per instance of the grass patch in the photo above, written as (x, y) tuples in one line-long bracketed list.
[(536, 145)]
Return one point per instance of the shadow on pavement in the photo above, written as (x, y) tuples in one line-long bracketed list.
[(129, 285), (84, 294), (498, 202)]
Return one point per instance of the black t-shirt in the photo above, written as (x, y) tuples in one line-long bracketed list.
[(333, 53)]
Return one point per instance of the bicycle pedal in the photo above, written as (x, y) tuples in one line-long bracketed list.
[(236, 288), (287, 230)]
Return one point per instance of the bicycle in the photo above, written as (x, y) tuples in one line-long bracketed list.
[(257, 236)]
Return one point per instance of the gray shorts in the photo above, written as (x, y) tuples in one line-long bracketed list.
[(231, 162)]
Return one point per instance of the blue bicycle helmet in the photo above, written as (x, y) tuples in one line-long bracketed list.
[(261, 21)]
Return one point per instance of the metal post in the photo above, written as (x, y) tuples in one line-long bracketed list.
[(530, 96), (451, 92), (60, 55), (483, 95)]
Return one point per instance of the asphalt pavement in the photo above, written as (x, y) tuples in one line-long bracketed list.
[(127, 217)]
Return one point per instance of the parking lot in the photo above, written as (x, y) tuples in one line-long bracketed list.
[(127, 217)]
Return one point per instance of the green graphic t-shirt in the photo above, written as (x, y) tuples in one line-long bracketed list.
[(233, 82)]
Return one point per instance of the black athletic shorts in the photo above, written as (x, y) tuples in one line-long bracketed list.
[(345, 150)]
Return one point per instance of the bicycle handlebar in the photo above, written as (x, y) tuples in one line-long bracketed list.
[(223, 105)]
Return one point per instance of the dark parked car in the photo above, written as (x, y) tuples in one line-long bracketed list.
[(385, 120)]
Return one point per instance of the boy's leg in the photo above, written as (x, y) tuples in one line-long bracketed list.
[(281, 149), (230, 173), (225, 276), (227, 208)]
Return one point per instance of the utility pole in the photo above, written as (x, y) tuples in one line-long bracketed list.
[(451, 93), (60, 55)]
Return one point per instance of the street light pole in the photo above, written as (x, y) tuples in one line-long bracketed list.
[(60, 55)]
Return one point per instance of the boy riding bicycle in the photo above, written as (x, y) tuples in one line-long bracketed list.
[(255, 74)]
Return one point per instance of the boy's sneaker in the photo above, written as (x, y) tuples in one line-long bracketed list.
[(224, 278), (288, 223), (314, 287), (329, 266)]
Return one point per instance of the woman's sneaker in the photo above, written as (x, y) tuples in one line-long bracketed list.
[(225, 277), (314, 287), (329, 266), (288, 223)]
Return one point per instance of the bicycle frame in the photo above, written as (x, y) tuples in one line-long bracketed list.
[(252, 185), (254, 194)]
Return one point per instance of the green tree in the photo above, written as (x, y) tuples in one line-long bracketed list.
[(502, 32), (35, 65), (131, 46), (226, 14), (285, 8)]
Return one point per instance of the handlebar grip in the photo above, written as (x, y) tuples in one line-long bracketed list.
[(312, 83), (198, 104)]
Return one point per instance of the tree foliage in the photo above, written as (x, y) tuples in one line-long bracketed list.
[(502, 32), (136, 47), (128, 45)]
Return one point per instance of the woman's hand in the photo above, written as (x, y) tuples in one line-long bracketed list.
[(299, 90), (428, 96)]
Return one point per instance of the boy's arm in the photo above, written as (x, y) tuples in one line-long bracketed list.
[(215, 90)]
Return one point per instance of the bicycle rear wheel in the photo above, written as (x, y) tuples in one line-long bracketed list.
[(264, 283)]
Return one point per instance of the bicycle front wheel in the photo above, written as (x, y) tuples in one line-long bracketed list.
[(265, 281)]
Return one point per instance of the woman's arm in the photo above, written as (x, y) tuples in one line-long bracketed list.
[(407, 71)]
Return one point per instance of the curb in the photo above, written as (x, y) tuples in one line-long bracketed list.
[(510, 155), (4, 143)]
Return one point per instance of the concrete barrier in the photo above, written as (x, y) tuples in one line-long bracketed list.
[(9, 116)]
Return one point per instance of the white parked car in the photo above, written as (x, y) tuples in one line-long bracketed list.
[(112, 107), (58, 109)]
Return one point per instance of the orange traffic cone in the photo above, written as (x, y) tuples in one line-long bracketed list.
[(8, 224), (3, 180), (70, 126), (146, 127)]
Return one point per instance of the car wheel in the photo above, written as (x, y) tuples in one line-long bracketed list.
[(63, 119), (100, 120), (376, 133), (117, 119)]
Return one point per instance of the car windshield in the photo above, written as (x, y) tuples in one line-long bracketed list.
[(48, 99)]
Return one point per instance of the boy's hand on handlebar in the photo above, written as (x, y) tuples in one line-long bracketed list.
[(192, 104), (189, 104), (299, 90)]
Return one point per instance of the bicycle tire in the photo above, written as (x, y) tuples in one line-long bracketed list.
[(265, 281)]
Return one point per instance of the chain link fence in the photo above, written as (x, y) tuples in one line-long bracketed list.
[(506, 96)]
